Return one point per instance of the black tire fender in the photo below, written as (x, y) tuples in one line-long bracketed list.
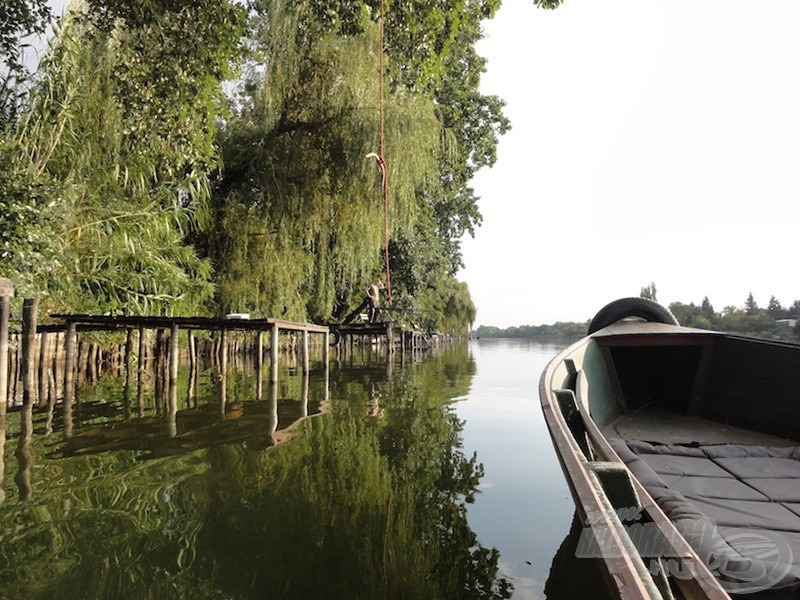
[(624, 308)]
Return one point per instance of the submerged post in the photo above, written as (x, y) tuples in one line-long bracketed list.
[(69, 368), (43, 368), (305, 360), (172, 409), (29, 309), (6, 291), (273, 353), (140, 372), (259, 364)]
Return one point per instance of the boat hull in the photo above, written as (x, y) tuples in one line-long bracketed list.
[(687, 393)]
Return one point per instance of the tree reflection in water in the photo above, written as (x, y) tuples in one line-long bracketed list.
[(572, 577), (366, 500)]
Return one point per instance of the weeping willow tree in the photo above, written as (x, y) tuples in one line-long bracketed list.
[(298, 227), (300, 209), (117, 144), (114, 196)]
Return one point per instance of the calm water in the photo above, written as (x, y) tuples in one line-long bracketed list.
[(433, 478)]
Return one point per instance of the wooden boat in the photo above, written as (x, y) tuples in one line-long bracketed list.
[(681, 450)]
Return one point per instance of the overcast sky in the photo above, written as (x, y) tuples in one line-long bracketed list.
[(652, 141)]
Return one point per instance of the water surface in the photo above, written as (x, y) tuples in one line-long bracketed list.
[(413, 478)]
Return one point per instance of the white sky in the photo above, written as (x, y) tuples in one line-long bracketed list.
[(652, 141)]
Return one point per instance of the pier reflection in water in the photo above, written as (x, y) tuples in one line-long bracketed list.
[(374, 479), (193, 494)]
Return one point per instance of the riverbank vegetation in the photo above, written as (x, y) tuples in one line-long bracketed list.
[(183, 158), (773, 321)]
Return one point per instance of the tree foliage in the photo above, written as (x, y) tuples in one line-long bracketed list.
[(559, 330), (131, 183), (121, 132), (649, 292), (19, 19), (295, 155)]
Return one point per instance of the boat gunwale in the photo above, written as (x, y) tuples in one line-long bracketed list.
[(620, 572), (576, 467)]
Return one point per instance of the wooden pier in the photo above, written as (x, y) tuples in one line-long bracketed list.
[(393, 334), (53, 355), (73, 323)]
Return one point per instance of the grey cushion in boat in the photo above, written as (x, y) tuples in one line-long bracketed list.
[(794, 507), (738, 506), (777, 489), (665, 464), (748, 514), (639, 447), (761, 467), (742, 451), (713, 487), (644, 473)]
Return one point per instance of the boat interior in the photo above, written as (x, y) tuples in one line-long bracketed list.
[(699, 388), (709, 424)]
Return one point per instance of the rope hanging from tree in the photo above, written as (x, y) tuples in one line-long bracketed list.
[(381, 156)]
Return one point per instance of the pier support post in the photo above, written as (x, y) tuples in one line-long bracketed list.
[(273, 353), (259, 365), (6, 291), (173, 381), (43, 368), (192, 341), (223, 370), (389, 338), (29, 308), (69, 376), (128, 360), (140, 373), (304, 358)]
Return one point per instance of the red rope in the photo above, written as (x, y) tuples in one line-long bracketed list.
[(382, 159)]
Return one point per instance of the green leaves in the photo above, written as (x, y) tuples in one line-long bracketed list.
[(298, 218), (27, 221), (124, 121), (18, 20), (128, 126), (295, 163)]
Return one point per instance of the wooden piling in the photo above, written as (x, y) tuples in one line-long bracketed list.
[(389, 338), (223, 370), (259, 365), (140, 373), (305, 356), (172, 408), (173, 357), (42, 373), (6, 291), (222, 349), (273, 353), (128, 363), (30, 307), (69, 373), (92, 361), (192, 341)]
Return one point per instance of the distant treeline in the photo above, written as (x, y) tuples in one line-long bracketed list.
[(556, 330), (773, 321)]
